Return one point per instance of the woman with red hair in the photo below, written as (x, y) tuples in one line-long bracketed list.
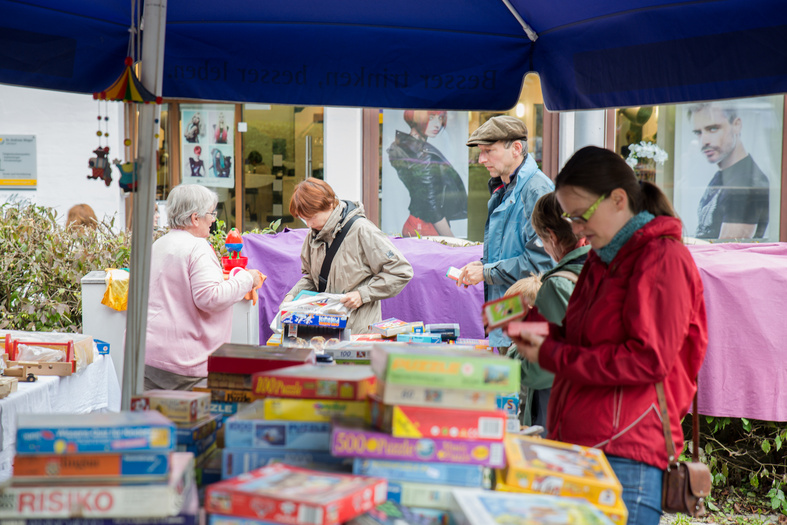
[(366, 267), (437, 193)]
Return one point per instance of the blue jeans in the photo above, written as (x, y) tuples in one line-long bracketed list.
[(641, 489)]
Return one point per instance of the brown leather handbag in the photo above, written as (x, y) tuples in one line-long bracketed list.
[(686, 484)]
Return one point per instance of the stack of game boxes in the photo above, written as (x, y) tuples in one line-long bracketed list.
[(196, 429), (231, 366), (436, 422), (111, 466), (310, 326), (292, 421), (550, 467), (290, 495), (391, 327)]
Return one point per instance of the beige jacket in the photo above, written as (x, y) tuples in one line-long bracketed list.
[(366, 262)]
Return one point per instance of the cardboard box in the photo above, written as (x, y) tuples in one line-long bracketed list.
[(417, 422), (288, 494), (340, 382), (430, 396), (439, 367), (348, 441), (231, 358), (561, 469), (181, 406)]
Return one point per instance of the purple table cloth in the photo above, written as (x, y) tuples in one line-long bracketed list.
[(430, 296), (745, 294)]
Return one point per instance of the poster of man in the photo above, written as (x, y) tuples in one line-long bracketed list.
[(728, 166), (424, 173), (207, 148)]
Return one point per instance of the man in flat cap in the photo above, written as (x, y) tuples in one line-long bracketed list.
[(512, 250)]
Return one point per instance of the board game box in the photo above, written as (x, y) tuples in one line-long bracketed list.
[(232, 358), (131, 467), (249, 428), (392, 326), (348, 441), (237, 461), (181, 406), (422, 472), (102, 500), (341, 382), (416, 422), (445, 367), (228, 395), (294, 495), (476, 507), (313, 410), (617, 514), (392, 513), (148, 431), (428, 396), (186, 434), (560, 469), (427, 495)]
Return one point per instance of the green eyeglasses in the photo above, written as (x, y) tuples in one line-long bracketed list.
[(585, 217)]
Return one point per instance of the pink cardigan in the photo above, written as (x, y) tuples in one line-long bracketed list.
[(190, 304)]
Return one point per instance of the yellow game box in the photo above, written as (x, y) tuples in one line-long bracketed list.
[(315, 410), (561, 469), (617, 514)]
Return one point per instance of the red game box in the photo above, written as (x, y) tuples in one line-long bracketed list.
[(291, 495), (430, 422), (232, 358), (340, 382)]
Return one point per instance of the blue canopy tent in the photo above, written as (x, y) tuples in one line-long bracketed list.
[(441, 54), (446, 54)]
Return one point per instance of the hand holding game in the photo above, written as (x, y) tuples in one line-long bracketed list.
[(528, 343)]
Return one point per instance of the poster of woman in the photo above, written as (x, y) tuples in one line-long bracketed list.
[(728, 168), (208, 145), (424, 165)]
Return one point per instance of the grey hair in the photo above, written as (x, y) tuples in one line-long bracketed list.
[(729, 111), (507, 144), (187, 199)]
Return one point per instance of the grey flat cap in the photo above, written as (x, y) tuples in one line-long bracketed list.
[(497, 128)]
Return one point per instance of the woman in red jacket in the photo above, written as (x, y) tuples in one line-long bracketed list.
[(636, 318)]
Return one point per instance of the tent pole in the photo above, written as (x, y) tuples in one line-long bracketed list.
[(151, 76)]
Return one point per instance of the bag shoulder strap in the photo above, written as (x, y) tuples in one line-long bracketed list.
[(330, 252), (668, 431), (571, 276)]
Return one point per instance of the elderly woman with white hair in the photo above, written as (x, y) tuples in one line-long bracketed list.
[(190, 304)]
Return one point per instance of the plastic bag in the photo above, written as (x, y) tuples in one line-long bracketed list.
[(40, 354), (321, 303), (116, 295)]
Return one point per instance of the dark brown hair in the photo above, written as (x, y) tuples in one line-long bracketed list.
[(599, 171), (311, 196), (547, 216)]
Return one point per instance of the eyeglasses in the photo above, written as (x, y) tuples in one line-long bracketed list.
[(585, 217), (213, 214)]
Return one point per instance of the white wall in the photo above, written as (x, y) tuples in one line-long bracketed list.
[(343, 151), (65, 126)]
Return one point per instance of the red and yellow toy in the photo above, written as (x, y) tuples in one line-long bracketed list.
[(236, 262)]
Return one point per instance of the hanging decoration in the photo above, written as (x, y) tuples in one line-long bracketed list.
[(99, 165), (128, 89)]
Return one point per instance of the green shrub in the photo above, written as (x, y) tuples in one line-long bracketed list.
[(42, 265)]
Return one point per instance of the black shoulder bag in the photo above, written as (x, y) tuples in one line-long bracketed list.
[(331, 250)]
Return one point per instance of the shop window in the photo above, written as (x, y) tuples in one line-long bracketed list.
[(723, 163), (282, 146), (207, 152), (431, 182)]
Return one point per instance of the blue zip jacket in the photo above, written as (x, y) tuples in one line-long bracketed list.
[(512, 250)]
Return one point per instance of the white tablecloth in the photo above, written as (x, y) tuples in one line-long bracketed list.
[(95, 388)]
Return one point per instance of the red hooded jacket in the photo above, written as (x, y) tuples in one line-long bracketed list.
[(630, 324)]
